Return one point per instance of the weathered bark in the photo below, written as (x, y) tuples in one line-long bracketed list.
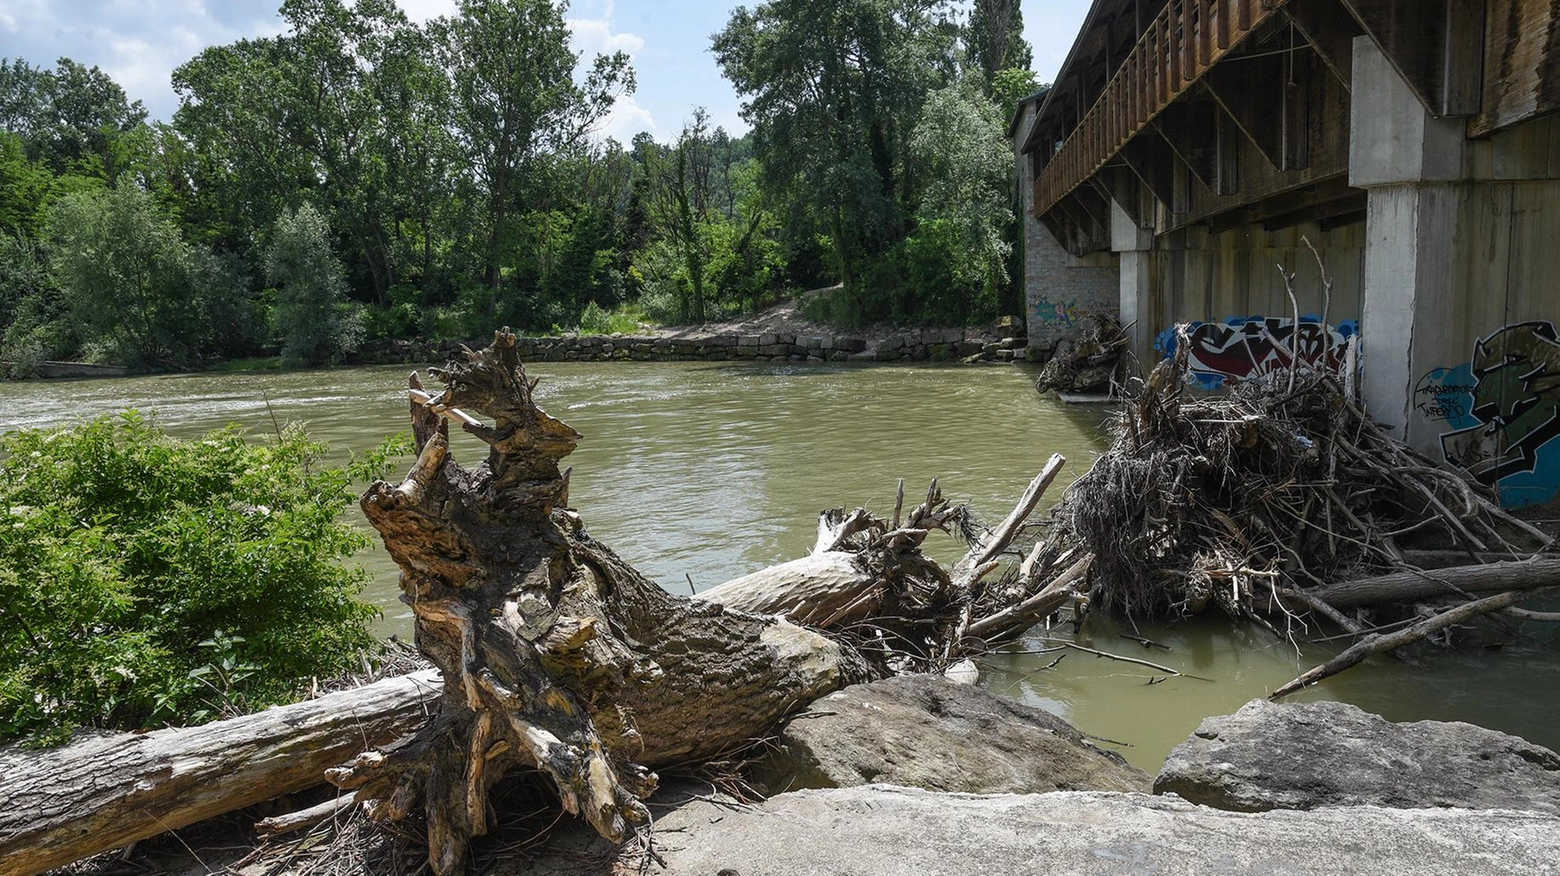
[(65, 804), (557, 656), (1414, 586)]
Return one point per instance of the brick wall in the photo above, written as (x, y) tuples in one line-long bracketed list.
[(1059, 289)]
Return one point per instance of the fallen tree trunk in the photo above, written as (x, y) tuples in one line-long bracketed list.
[(1413, 586), (143, 784), (557, 656)]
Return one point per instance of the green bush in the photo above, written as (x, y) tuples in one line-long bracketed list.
[(146, 580)]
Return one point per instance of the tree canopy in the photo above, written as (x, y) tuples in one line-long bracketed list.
[(451, 176)]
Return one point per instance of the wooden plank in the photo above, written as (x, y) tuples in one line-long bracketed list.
[(1330, 30), (1186, 126), (1251, 90)]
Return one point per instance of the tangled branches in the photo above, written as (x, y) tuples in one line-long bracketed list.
[(1246, 500)]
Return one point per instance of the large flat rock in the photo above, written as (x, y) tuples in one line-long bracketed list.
[(927, 732), (1307, 755), (881, 830)]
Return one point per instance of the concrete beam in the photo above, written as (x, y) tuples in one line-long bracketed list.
[(1392, 137)]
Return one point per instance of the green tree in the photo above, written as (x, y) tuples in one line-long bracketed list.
[(516, 102), (146, 580), (316, 322), (833, 92), (961, 145), (1010, 86), (995, 40), (134, 288), (77, 115)]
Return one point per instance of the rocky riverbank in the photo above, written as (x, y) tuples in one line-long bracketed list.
[(918, 775), (919, 345)]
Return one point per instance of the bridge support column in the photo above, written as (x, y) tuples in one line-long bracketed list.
[(1139, 308), (1410, 163)]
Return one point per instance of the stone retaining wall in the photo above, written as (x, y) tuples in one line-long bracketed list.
[(922, 345)]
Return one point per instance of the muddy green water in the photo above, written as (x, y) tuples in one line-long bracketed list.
[(707, 471)]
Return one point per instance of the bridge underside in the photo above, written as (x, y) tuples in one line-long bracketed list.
[(1192, 150)]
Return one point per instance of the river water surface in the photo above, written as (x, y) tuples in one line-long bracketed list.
[(700, 472)]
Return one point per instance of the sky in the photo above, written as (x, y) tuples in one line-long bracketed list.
[(139, 42)]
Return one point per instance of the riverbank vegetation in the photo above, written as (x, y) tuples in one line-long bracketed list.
[(146, 580), (361, 176)]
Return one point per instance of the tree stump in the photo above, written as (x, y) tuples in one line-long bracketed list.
[(557, 656)]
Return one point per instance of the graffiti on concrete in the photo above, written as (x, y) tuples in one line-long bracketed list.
[(1502, 410), (1445, 394), (1253, 347), (1048, 312)]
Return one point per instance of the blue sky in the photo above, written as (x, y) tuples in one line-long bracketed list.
[(139, 42)]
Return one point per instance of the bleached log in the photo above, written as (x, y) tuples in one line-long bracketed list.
[(64, 804), (809, 590), (1415, 586)]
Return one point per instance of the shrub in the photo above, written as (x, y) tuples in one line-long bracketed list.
[(146, 580)]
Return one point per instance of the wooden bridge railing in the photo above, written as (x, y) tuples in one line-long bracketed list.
[(1176, 48)]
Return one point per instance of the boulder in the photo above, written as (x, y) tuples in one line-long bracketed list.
[(1308, 755), (927, 732), (880, 830)]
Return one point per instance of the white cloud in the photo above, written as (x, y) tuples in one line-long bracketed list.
[(425, 10), (626, 119), (594, 36)]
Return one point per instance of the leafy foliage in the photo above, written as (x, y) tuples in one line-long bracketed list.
[(460, 181), (146, 580), (134, 287), (312, 314)]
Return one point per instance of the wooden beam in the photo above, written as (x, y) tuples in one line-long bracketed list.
[(1251, 90), (1462, 59), (1125, 190), (1305, 203), (1435, 45), (1349, 204), (1341, 220), (1187, 125), (1151, 158), (1096, 205), (1227, 155), (1297, 110), (1330, 30)]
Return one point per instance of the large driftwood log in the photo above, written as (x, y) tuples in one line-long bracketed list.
[(557, 656), (1415, 586), (65, 804)]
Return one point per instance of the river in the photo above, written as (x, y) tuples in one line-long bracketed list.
[(699, 472)]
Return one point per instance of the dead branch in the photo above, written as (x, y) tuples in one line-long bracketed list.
[(1375, 644)]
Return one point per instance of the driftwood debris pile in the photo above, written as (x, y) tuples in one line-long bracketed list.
[(1282, 499), (1087, 360)]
